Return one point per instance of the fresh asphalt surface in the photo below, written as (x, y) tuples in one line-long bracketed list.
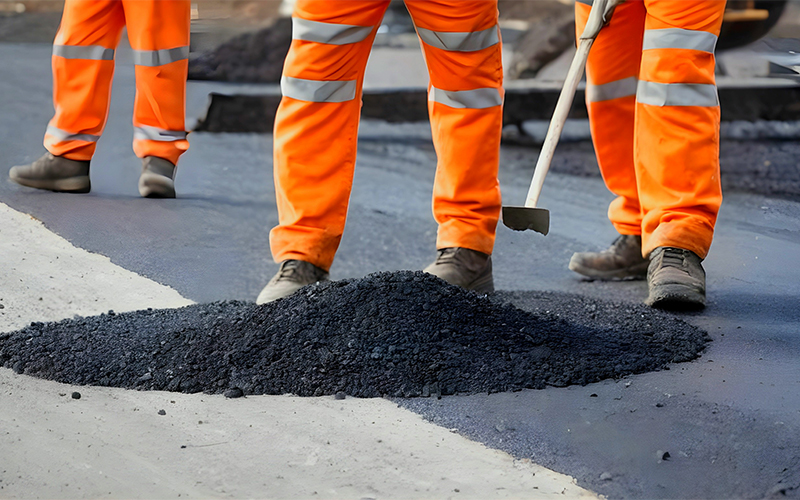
[(730, 421)]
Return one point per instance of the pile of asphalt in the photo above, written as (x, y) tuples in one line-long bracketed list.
[(401, 334), (250, 57)]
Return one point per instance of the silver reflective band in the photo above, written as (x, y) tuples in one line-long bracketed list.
[(471, 99), (677, 94), (63, 135), (93, 52), (677, 38), (147, 133), (611, 90), (460, 42), (318, 90), (160, 57), (330, 33)]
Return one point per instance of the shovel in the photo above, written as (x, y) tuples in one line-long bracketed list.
[(529, 216)]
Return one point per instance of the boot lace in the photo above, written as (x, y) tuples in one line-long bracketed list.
[(672, 257), (289, 271), (447, 256)]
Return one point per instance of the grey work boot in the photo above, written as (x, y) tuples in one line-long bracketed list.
[(157, 177), (463, 267), (54, 173), (291, 277), (622, 260), (676, 280)]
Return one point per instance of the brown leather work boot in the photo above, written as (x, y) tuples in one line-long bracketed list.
[(676, 280), (54, 173), (291, 277), (157, 179), (622, 260), (466, 268)]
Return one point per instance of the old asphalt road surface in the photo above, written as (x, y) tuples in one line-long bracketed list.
[(724, 426)]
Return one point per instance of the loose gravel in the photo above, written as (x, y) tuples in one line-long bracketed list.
[(400, 334)]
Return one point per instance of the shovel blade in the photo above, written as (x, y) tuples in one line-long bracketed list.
[(524, 218)]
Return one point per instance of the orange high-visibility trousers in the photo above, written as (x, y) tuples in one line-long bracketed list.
[(83, 67), (317, 122), (654, 116)]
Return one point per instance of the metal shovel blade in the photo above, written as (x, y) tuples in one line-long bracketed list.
[(524, 218)]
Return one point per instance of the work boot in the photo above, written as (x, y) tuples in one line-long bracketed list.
[(157, 177), (622, 260), (676, 280), (291, 277), (464, 267), (54, 173)]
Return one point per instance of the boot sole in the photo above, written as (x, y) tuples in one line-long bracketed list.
[(156, 186), (638, 272), (676, 297), (78, 184)]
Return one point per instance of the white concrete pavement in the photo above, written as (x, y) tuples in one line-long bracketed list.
[(114, 443)]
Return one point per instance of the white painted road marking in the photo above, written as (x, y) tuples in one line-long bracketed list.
[(113, 442)]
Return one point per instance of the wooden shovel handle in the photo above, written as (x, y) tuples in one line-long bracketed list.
[(557, 122)]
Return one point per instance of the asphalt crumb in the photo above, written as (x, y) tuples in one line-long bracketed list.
[(398, 334)]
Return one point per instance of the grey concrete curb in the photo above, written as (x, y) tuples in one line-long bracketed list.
[(749, 100)]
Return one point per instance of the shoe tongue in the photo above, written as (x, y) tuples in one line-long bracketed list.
[(289, 268), (446, 254)]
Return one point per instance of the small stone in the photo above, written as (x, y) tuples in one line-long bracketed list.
[(593, 395), (662, 456), (340, 395), (659, 405), (183, 446), (234, 392), (76, 395), (606, 476), (162, 412)]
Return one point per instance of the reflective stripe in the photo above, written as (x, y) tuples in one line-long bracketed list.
[(147, 133), (331, 33), (472, 99), (318, 90), (94, 52), (460, 42), (611, 90), (677, 94), (63, 135), (677, 38), (160, 57)]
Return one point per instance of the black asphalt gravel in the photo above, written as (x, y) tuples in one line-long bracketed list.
[(401, 334)]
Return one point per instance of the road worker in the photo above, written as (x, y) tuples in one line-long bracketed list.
[(654, 115), (317, 124), (83, 66)]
